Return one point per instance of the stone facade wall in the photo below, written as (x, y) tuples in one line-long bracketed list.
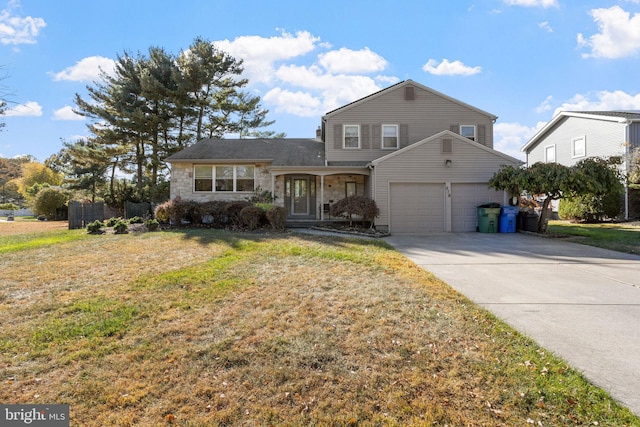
[(335, 187), (182, 184)]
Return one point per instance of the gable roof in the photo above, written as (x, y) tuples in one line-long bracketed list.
[(452, 135), (276, 151), (624, 117), (408, 82)]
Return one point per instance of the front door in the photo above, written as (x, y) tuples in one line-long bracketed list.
[(300, 196)]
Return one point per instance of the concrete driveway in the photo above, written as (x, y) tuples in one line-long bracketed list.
[(580, 302)]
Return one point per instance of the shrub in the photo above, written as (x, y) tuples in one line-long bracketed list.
[(232, 210), (261, 196), (121, 227), (136, 220), (171, 211), (9, 206), (111, 221), (356, 205), (590, 208), (95, 227), (251, 216), (48, 200), (152, 224), (277, 216)]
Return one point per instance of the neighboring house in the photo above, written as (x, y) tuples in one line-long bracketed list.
[(424, 157), (573, 136)]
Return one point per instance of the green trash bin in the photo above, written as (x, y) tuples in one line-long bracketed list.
[(488, 216)]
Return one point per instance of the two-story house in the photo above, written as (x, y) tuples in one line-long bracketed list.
[(572, 136), (424, 157)]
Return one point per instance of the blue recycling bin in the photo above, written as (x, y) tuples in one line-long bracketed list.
[(508, 217)]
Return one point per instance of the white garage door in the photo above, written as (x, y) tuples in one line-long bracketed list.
[(465, 199), (416, 208)]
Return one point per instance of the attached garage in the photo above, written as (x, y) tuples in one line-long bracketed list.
[(417, 208), (435, 185), (465, 199)]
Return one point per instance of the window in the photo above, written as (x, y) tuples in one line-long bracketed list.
[(224, 178), (203, 178), (468, 131), (350, 189), (389, 137), (579, 147), (351, 136), (550, 154)]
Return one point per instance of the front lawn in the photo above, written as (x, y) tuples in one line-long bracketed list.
[(621, 237), (207, 327)]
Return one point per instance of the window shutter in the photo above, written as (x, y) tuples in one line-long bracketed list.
[(404, 135), (364, 130), (482, 134), (376, 136), (454, 128), (409, 93), (337, 136), (447, 145)]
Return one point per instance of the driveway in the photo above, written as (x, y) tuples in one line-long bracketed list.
[(581, 302)]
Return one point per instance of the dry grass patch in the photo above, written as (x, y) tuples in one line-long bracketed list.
[(214, 328)]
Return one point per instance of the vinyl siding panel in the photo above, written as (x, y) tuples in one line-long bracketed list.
[(426, 164), (424, 116), (603, 139)]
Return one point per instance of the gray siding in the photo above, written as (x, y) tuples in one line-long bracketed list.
[(425, 163), (424, 116), (634, 135), (603, 139)]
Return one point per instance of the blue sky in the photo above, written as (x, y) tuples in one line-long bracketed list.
[(522, 60)]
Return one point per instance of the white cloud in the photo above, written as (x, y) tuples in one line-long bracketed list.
[(545, 105), (260, 54), (18, 30), (601, 101), (28, 109), (86, 70), (66, 113), (352, 61), (532, 3), (297, 103), (618, 36), (509, 138), (546, 26), (448, 68)]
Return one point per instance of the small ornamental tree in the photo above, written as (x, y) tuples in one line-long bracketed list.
[(356, 205), (554, 181)]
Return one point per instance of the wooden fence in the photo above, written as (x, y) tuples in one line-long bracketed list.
[(81, 214)]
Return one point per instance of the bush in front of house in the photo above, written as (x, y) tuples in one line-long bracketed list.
[(95, 227), (251, 216), (277, 217), (170, 211), (152, 224), (590, 208), (121, 227), (362, 206), (233, 209)]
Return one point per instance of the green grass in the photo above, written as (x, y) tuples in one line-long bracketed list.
[(21, 242), (618, 237)]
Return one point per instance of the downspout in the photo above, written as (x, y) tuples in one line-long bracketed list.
[(627, 159)]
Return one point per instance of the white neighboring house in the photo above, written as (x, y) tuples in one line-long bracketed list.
[(572, 136)]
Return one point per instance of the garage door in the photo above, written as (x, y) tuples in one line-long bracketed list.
[(416, 208), (465, 199)]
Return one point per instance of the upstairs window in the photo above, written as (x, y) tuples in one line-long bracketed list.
[(550, 154), (227, 178), (351, 136), (468, 131), (390, 137), (579, 147)]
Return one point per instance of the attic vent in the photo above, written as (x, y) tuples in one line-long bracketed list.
[(446, 146), (408, 93)]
